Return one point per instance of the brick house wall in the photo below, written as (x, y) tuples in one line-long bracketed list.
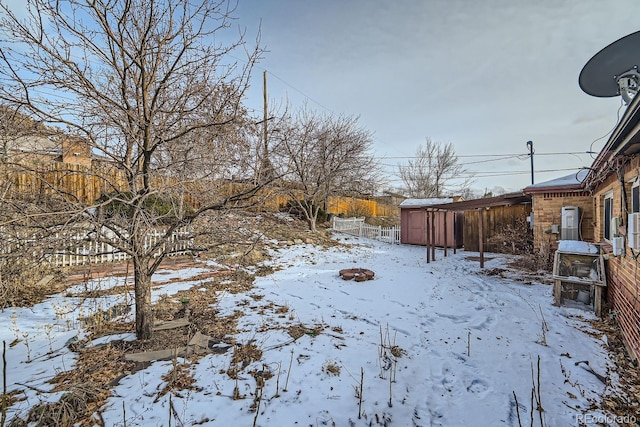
[(547, 211), (76, 152), (623, 272)]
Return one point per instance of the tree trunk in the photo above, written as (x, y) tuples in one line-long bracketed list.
[(144, 313), (312, 224)]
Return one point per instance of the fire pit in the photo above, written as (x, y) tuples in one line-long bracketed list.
[(358, 274)]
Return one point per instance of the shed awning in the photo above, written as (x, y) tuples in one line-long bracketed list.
[(486, 202)]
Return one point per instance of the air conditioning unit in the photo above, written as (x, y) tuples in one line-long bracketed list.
[(570, 223), (633, 231), (618, 245)]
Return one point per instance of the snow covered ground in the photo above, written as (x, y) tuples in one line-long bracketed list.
[(437, 344)]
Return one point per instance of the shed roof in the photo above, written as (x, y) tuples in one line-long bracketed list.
[(422, 203), (508, 199)]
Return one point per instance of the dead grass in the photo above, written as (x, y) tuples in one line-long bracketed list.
[(177, 380), (103, 365), (623, 399), (245, 354), (73, 406), (297, 331), (87, 387), (331, 367), (21, 284), (397, 351)]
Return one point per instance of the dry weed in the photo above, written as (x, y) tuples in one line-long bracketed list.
[(331, 367), (74, 405), (246, 354), (20, 286), (296, 331), (179, 378)]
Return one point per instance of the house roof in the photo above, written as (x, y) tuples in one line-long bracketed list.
[(34, 144), (485, 202), (422, 203), (572, 182), (625, 139)]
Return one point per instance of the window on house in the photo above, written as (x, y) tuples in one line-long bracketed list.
[(607, 215), (635, 197)]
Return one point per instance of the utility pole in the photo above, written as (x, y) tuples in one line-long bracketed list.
[(266, 113), (265, 172), (530, 147)]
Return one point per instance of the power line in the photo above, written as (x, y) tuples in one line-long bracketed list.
[(300, 92), (494, 155), (497, 174), (460, 164), (401, 166)]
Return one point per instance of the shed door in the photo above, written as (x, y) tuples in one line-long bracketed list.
[(417, 226)]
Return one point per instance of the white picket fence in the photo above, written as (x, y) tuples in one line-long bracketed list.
[(77, 248), (357, 227)]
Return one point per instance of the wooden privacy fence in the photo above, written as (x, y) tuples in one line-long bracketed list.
[(495, 221), (86, 184), (357, 227), (353, 206), (82, 183), (77, 248)]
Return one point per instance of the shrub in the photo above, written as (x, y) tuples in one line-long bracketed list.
[(122, 205)]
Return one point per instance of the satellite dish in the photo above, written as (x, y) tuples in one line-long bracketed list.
[(614, 70)]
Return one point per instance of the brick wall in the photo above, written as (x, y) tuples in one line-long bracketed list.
[(76, 152), (623, 297), (547, 211), (623, 272)]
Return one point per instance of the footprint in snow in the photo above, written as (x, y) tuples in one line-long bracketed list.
[(454, 317), (448, 378), (478, 387), (484, 323)]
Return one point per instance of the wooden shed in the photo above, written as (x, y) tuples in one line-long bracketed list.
[(413, 223), (508, 211)]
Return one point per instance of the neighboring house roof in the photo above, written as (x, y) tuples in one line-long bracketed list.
[(423, 203), (34, 144), (485, 202), (393, 194), (566, 183)]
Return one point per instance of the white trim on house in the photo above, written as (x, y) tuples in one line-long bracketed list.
[(606, 219)]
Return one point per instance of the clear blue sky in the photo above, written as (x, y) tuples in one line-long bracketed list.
[(486, 76)]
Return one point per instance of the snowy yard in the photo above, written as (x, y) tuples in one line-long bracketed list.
[(438, 344)]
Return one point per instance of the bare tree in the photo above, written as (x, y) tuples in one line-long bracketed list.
[(16, 266), (322, 155), (151, 87), (434, 171)]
